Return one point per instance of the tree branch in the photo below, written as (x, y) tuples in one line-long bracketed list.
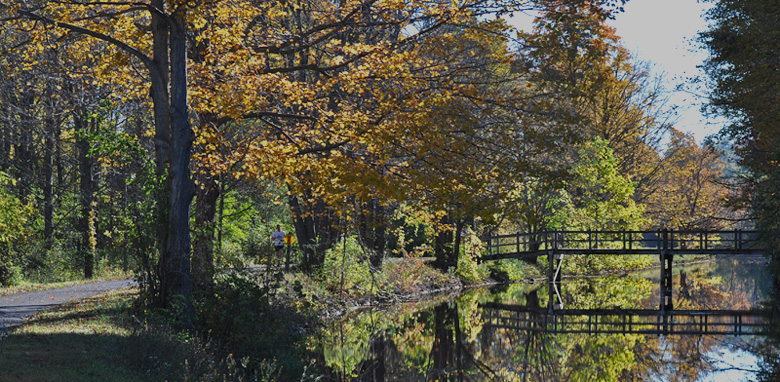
[(100, 36)]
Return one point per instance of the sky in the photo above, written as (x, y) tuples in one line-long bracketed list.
[(663, 33)]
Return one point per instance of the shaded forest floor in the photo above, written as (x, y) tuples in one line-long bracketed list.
[(86, 340)]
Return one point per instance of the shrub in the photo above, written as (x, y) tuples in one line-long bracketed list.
[(468, 268), (514, 270), (346, 269), (262, 336)]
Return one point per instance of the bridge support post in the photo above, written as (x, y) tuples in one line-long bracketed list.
[(666, 273), (554, 276), (667, 259), (555, 262)]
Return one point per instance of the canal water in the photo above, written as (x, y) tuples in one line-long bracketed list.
[(600, 329)]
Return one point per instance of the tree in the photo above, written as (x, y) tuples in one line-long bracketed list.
[(601, 196), (691, 194), (578, 62), (15, 216), (743, 68), (166, 66), (312, 85), (381, 122)]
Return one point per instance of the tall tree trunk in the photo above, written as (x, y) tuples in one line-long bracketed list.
[(176, 253), (25, 165), (316, 228), (48, 183), (86, 190), (5, 142), (203, 240), (443, 246), (160, 77), (453, 259), (373, 230), (58, 156)]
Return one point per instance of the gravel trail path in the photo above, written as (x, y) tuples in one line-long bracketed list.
[(15, 308)]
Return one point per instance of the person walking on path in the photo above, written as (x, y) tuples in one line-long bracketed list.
[(277, 237)]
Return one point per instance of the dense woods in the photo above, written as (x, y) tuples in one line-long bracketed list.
[(166, 139)]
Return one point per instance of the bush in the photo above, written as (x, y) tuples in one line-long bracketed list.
[(468, 268), (412, 275), (256, 245), (514, 270), (262, 335), (346, 270)]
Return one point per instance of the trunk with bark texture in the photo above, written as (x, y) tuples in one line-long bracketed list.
[(176, 255), (173, 145), (48, 184), (86, 191), (205, 227), (316, 228), (444, 247), (373, 230)]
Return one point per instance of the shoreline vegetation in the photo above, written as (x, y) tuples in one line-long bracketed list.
[(83, 336)]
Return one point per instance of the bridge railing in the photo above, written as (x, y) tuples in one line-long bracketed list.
[(516, 243), (592, 240), (628, 242), (713, 240)]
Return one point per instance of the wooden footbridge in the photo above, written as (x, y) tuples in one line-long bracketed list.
[(672, 242), (664, 243)]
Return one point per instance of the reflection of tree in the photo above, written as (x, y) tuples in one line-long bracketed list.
[(451, 341), (602, 357), (532, 354), (452, 356), (611, 292), (768, 352), (446, 363), (528, 355), (370, 345), (727, 285)]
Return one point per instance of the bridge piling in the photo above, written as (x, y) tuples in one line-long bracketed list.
[(667, 259)]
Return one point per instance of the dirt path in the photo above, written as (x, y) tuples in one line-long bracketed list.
[(15, 308)]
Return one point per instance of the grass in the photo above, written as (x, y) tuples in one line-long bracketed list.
[(36, 287), (79, 341), (109, 338)]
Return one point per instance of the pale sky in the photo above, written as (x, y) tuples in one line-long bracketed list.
[(663, 33)]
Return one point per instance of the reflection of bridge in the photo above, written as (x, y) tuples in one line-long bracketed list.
[(630, 321)]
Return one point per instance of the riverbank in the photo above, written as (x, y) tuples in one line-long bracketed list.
[(289, 306), (500, 333)]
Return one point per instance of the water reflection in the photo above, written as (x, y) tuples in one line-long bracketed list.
[(463, 338)]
